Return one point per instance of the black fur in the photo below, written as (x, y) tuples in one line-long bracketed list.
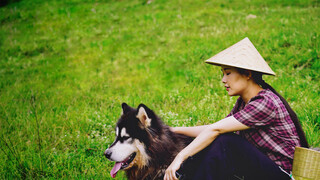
[(162, 145)]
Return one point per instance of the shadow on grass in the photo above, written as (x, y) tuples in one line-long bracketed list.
[(7, 2)]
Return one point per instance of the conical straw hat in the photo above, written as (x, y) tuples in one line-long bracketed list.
[(242, 55)]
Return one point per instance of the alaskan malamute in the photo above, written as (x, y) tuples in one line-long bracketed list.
[(144, 146)]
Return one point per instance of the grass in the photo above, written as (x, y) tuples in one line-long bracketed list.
[(66, 67)]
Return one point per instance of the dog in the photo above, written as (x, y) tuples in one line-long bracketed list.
[(144, 146)]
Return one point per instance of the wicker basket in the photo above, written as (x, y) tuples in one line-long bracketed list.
[(306, 164)]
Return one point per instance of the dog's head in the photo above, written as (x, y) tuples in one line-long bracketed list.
[(134, 131)]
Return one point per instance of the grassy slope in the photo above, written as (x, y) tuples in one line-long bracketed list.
[(65, 68)]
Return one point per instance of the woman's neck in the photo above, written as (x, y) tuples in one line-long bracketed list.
[(251, 92)]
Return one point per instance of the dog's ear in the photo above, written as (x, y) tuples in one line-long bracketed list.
[(126, 108), (143, 116)]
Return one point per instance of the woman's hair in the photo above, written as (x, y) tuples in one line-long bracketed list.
[(257, 78)]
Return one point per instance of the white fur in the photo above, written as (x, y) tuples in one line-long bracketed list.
[(124, 132), (117, 131), (142, 154), (122, 150)]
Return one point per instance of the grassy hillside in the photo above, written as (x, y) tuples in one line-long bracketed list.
[(66, 67)]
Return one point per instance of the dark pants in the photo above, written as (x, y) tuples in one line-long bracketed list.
[(231, 157)]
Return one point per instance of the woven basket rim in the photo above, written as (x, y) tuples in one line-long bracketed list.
[(308, 149)]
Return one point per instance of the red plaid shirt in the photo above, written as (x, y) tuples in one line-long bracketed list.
[(271, 128)]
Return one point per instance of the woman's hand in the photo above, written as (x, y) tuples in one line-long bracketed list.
[(172, 169)]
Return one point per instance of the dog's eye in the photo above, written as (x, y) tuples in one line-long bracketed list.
[(125, 137)]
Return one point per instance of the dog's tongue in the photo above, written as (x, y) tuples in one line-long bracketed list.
[(115, 169)]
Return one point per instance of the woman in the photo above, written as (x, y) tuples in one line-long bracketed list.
[(267, 129)]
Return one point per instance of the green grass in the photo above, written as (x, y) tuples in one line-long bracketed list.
[(66, 67)]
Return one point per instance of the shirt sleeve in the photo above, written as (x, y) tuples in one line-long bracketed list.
[(258, 112)]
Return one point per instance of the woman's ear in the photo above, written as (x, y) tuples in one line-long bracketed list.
[(246, 73), (249, 74)]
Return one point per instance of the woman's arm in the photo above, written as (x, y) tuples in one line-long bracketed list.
[(189, 131), (205, 137)]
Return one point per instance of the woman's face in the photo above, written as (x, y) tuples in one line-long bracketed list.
[(234, 82)]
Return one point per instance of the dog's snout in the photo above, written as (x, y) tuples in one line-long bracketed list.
[(107, 153)]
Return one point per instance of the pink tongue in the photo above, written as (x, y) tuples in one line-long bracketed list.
[(115, 169)]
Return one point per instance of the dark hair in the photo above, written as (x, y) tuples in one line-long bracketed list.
[(257, 78)]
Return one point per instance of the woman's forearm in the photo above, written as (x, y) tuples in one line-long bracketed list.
[(189, 131), (208, 133), (200, 142)]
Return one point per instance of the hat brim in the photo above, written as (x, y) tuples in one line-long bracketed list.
[(243, 55), (242, 67)]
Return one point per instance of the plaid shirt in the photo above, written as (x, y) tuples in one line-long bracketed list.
[(271, 128)]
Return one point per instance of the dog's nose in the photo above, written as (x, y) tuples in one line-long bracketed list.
[(107, 153)]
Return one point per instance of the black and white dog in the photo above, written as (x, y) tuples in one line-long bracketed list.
[(144, 146)]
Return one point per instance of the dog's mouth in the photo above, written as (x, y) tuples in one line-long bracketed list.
[(127, 163)]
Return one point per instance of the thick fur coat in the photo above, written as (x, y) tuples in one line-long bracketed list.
[(144, 146)]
